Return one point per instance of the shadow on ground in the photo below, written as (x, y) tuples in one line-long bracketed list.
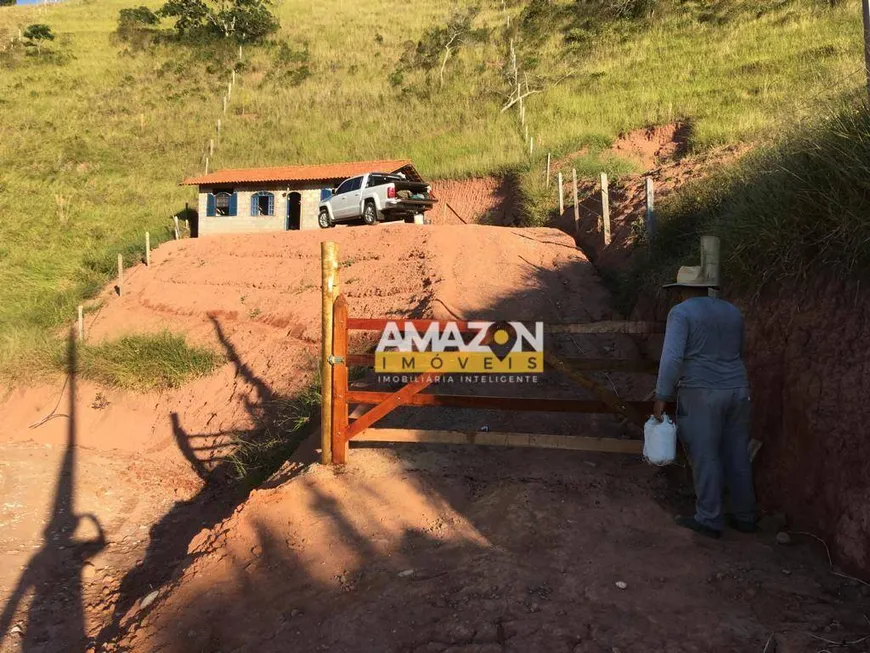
[(53, 576)]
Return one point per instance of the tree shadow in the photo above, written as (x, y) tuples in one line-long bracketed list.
[(53, 576), (213, 458)]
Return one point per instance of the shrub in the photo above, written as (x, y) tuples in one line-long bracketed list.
[(35, 34), (137, 17)]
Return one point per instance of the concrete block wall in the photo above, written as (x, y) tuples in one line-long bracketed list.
[(244, 222)]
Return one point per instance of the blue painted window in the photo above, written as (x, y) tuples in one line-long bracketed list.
[(325, 194), (225, 204), (262, 204)]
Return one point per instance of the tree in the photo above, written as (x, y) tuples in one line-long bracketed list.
[(137, 18), (7, 3), (35, 34), (240, 20), (189, 15), (439, 43)]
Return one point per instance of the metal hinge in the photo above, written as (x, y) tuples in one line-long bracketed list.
[(335, 360)]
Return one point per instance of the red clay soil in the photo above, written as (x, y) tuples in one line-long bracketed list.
[(490, 200), (121, 526), (809, 362), (628, 205), (807, 365), (485, 550)]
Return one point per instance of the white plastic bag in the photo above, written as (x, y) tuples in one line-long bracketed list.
[(660, 441)]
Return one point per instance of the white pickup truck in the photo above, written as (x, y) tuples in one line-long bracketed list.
[(374, 197)]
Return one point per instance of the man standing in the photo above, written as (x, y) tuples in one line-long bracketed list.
[(702, 356)]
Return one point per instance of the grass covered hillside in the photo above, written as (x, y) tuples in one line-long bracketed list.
[(97, 132)]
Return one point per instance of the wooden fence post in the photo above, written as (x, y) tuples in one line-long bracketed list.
[(548, 169), (710, 261), (329, 291), (120, 274), (339, 382), (605, 207), (81, 323), (206, 165), (219, 127), (148, 249), (225, 103), (561, 197), (531, 145), (576, 200), (650, 211), (234, 77), (175, 220), (240, 52), (211, 147)]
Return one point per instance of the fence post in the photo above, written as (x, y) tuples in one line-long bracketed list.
[(175, 220), (339, 381), (240, 52), (81, 323), (234, 77), (710, 261), (211, 146), (219, 127), (561, 197), (605, 207), (148, 249), (225, 103), (329, 291), (548, 169), (120, 274), (206, 165), (531, 145), (650, 211), (576, 200)]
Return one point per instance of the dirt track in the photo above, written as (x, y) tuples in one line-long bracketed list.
[(510, 550)]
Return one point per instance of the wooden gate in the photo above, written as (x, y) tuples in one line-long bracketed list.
[(338, 428)]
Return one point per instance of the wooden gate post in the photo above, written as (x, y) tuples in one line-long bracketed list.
[(339, 382), (329, 291)]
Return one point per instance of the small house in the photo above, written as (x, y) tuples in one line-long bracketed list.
[(275, 199)]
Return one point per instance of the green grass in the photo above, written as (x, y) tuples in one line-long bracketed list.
[(145, 362), (789, 211), (281, 429), (96, 137)]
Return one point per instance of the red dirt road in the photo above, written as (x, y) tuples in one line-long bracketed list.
[(409, 550)]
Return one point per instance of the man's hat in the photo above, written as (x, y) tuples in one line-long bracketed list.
[(692, 277)]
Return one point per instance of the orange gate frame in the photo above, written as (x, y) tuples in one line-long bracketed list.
[(342, 429)]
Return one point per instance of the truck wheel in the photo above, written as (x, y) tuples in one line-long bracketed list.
[(324, 220), (370, 214)]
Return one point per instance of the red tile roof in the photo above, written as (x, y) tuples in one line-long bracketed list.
[(296, 173)]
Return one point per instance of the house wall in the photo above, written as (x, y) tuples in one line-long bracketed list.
[(244, 222)]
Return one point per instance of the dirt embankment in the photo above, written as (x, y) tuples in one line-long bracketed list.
[(807, 356), (662, 151), (489, 200), (809, 363)]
